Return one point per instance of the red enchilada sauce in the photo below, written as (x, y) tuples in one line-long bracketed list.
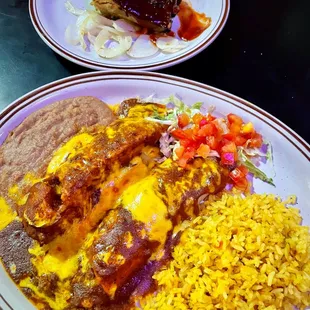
[(192, 23)]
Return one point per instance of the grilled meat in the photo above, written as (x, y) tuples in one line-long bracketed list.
[(155, 15), (30, 146), (138, 229), (70, 191)]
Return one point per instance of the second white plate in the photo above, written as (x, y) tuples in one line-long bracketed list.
[(50, 19)]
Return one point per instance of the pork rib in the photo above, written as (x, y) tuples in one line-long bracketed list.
[(155, 15)]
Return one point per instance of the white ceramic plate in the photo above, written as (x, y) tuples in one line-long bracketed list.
[(291, 153), (51, 19)]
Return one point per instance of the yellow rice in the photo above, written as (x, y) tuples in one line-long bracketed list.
[(241, 253)]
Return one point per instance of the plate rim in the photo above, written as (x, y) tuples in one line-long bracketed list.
[(94, 65), (298, 142)]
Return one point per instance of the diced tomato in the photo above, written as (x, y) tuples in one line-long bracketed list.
[(235, 128), (235, 123), (203, 150), (229, 136), (237, 175), (240, 140), (195, 130), (183, 120), (182, 162), (186, 143), (197, 118), (203, 122), (244, 170), (180, 151), (229, 147), (234, 119), (256, 141), (228, 158), (189, 153), (205, 135), (179, 134), (189, 133), (212, 142), (207, 130), (243, 184), (210, 117)]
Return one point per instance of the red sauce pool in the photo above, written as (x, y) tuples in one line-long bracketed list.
[(192, 23)]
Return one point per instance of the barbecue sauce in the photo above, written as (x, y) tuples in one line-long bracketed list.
[(192, 23), (158, 12)]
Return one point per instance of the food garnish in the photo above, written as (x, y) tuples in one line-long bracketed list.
[(194, 132)]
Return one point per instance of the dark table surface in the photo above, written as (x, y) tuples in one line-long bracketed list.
[(262, 55)]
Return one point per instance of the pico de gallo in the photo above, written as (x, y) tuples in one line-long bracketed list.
[(195, 133)]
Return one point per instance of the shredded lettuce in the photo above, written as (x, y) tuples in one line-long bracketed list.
[(160, 121), (244, 160), (253, 152), (197, 105), (269, 154), (178, 107)]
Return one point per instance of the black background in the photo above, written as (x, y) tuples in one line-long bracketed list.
[(262, 55)]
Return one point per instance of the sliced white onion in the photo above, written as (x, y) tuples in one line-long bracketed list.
[(103, 37), (214, 154), (71, 9), (91, 20), (82, 41), (124, 43), (82, 21), (99, 19), (143, 47), (107, 34), (125, 26), (91, 38), (94, 31), (170, 44), (72, 35), (80, 27)]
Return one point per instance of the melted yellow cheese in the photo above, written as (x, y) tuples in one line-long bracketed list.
[(144, 110), (47, 263), (7, 214), (145, 206), (16, 193), (30, 178), (68, 150), (62, 295), (110, 132), (114, 107)]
